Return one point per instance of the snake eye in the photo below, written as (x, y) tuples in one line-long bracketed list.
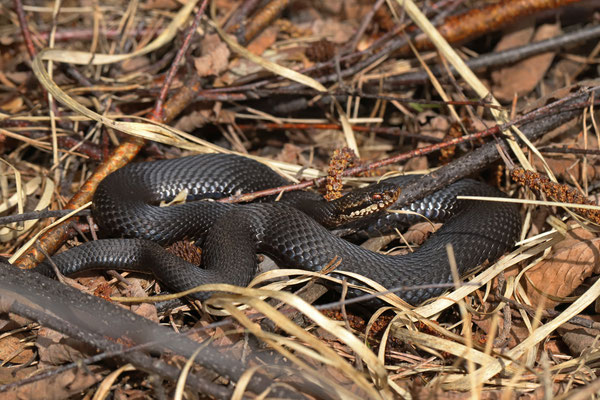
[(377, 197)]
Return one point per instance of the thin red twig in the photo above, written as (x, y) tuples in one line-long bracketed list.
[(158, 109), (25, 29), (497, 129)]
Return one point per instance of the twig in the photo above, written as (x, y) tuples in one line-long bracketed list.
[(550, 313), (364, 24), (264, 17), (568, 150), (551, 116), (498, 58), (25, 29), (245, 9), (29, 309), (84, 317), (9, 219), (473, 19), (158, 107), (476, 22), (533, 125), (122, 155), (305, 126), (53, 239)]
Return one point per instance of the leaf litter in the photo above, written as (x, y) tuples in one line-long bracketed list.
[(522, 327)]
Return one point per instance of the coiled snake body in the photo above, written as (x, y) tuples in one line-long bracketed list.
[(126, 205)]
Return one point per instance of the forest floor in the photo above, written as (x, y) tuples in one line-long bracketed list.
[(351, 90)]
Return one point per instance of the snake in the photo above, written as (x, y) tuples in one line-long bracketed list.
[(294, 229)]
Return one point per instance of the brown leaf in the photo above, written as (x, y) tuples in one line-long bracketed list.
[(291, 153), (145, 310), (334, 31), (219, 337), (13, 106), (379, 242), (566, 169), (515, 335), (13, 374), (195, 119), (11, 321), (579, 338), (417, 163), (121, 393), (60, 386), (215, 56), (13, 349), (16, 78), (571, 262), (419, 232), (522, 77), (56, 349)]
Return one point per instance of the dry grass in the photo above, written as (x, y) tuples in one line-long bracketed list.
[(423, 351)]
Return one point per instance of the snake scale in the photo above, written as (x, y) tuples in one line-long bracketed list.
[(126, 207)]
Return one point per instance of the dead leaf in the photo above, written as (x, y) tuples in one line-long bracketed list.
[(516, 334), (522, 77), (199, 118), (519, 35), (418, 233), (332, 30), (222, 338), (291, 153), (538, 221), (14, 349), (129, 394), (567, 168), (11, 321), (13, 374), (431, 125), (571, 262), (60, 386), (417, 164), (56, 349), (215, 56), (145, 310), (579, 338), (379, 242), (17, 78), (195, 119), (13, 106)]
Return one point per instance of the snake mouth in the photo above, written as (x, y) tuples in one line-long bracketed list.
[(368, 204), (370, 210)]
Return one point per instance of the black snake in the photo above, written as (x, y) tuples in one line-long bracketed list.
[(126, 205)]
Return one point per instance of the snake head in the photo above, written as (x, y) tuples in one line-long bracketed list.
[(363, 203)]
